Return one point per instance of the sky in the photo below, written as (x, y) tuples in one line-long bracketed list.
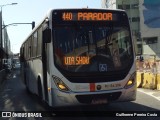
[(27, 11)]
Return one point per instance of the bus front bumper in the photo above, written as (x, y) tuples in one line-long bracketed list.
[(60, 98)]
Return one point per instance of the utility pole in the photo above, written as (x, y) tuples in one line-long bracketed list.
[(1, 38), (33, 24)]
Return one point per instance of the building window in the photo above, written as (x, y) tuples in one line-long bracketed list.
[(120, 7), (150, 40), (139, 40), (135, 19), (130, 20), (127, 6), (139, 49), (134, 6)]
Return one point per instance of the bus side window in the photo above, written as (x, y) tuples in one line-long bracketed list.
[(34, 40), (39, 44)]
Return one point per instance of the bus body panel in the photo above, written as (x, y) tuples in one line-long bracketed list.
[(32, 71)]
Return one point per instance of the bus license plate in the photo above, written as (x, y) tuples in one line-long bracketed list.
[(99, 101)]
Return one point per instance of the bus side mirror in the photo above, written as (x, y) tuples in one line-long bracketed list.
[(47, 35)]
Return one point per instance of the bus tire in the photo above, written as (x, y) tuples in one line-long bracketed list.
[(39, 88)]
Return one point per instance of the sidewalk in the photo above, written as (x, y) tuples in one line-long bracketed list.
[(153, 93), (2, 83), (2, 75)]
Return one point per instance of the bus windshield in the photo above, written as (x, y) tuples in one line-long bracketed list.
[(96, 48)]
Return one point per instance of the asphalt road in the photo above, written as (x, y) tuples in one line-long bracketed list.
[(13, 97)]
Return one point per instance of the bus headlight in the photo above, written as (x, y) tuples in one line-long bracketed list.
[(131, 81), (60, 84)]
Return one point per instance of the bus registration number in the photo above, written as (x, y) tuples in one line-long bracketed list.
[(115, 85)]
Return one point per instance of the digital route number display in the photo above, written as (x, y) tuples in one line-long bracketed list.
[(87, 16)]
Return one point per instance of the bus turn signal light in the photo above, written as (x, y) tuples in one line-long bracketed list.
[(131, 81), (62, 87)]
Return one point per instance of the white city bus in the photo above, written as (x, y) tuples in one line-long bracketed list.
[(80, 57)]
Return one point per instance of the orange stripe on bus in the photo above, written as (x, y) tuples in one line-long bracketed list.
[(92, 87)]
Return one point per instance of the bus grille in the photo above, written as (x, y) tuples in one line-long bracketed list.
[(87, 99)]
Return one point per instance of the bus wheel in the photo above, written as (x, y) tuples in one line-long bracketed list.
[(39, 88)]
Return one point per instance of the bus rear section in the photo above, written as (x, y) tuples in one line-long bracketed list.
[(93, 57)]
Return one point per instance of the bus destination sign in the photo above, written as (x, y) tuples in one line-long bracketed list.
[(88, 16)]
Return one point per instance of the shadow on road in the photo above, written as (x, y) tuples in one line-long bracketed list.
[(13, 95)]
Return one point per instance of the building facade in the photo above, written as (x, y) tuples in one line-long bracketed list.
[(5, 46), (145, 23), (150, 26), (109, 4)]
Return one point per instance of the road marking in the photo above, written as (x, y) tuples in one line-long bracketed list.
[(150, 94), (24, 108), (14, 76)]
